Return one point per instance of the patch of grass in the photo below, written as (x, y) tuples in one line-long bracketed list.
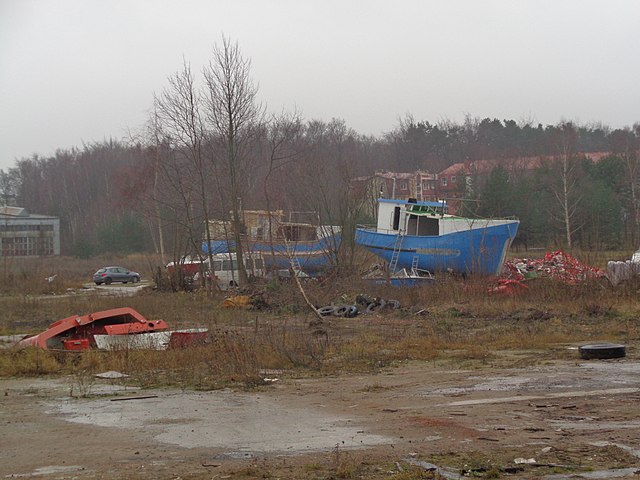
[(28, 362), (458, 322)]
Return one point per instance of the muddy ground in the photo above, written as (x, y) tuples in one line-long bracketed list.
[(560, 417)]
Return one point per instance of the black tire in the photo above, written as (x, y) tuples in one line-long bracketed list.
[(107, 281), (135, 279), (351, 312), (602, 351), (394, 304), (375, 306), (98, 283), (326, 311), (341, 311)]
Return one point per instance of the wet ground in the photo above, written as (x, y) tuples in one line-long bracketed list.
[(554, 419)]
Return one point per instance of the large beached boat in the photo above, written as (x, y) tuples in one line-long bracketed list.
[(422, 235), (281, 239)]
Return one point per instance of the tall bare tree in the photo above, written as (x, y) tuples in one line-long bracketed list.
[(179, 119), (233, 114)]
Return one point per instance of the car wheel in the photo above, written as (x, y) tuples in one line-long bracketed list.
[(602, 351), (125, 281), (98, 283), (107, 281), (135, 279)]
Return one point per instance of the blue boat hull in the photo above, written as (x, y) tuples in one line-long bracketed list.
[(313, 257), (478, 251)]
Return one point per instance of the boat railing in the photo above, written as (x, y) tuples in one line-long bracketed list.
[(421, 272), (374, 228)]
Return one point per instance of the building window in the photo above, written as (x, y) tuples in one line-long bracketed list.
[(453, 179), (444, 181), (403, 185)]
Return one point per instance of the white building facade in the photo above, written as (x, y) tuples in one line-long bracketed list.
[(23, 234)]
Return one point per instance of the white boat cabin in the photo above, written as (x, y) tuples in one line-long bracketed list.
[(422, 219), (410, 217)]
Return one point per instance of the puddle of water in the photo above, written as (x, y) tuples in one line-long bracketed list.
[(50, 470), (528, 398), (613, 473), (224, 420), (430, 467), (588, 424)]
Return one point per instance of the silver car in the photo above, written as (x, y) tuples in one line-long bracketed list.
[(108, 275)]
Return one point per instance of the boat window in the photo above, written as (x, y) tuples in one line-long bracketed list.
[(396, 218), (298, 232), (422, 226), (226, 265), (253, 263)]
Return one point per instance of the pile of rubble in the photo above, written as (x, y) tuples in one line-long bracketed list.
[(557, 265)]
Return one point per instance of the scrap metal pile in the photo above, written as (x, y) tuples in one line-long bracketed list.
[(115, 329), (556, 265)]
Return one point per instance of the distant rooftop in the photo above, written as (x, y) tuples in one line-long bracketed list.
[(14, 211), (9, 213)]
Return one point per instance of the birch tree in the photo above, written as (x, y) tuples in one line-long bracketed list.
[(566, 191), (625, 144)]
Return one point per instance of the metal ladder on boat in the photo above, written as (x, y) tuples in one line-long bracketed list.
[(295, 265), (414, 264), (395, 255)]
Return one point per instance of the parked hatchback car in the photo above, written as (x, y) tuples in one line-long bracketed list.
[(108, 275)]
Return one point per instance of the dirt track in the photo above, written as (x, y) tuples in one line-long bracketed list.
[(570, 416)]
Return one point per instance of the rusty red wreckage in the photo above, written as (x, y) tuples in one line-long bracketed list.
[(113, 329)]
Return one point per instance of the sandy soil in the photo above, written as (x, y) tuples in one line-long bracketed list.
[(558, 418)]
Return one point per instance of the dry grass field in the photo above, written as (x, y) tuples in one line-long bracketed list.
[(451, 326)]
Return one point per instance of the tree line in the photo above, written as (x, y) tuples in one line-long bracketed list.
[(210, 149)]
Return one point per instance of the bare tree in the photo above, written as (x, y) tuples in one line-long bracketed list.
[(625, 143), (179, 120), (284, 145), (233, 115)]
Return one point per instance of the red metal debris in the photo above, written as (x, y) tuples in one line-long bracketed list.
[(557, 265), (76, 332)]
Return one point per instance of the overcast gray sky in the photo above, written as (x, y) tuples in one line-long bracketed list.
[(74, 71)]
